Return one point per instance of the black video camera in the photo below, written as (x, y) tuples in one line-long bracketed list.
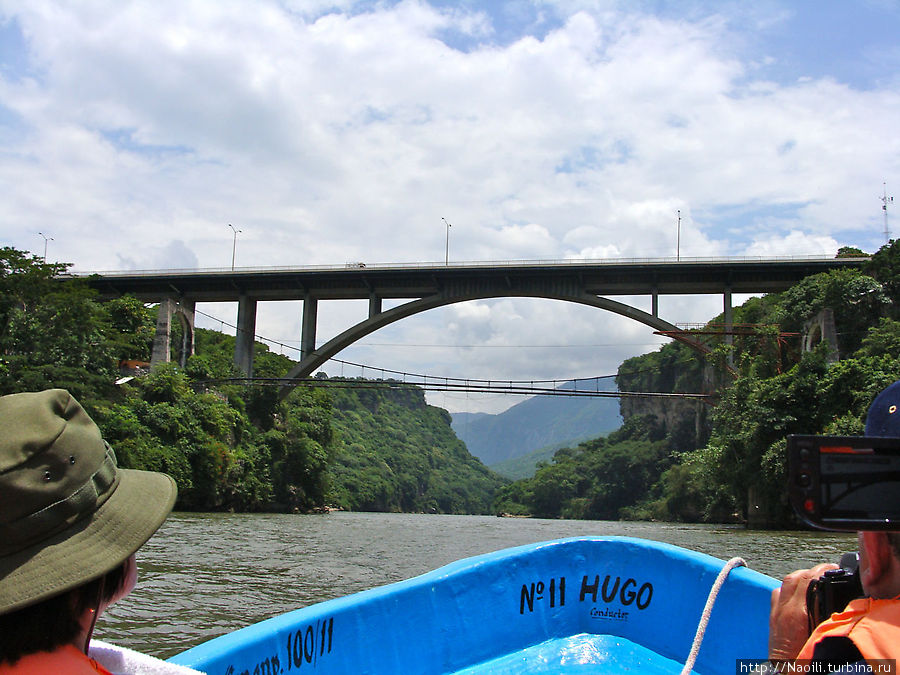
[(832, 591), (845, 482)]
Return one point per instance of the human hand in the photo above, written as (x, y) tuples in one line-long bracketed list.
[(788, 620)]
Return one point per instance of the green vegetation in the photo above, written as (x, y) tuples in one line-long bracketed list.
[(595, 480), (680, 460), (525, 466), (227, 446), (50, 334), (399, 454), (359, 447)]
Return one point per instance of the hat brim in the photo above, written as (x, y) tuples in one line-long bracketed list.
[(92, 546)]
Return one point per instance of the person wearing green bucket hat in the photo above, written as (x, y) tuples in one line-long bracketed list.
[(70, 524)]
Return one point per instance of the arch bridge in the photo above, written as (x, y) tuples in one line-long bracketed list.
[(428, 286)]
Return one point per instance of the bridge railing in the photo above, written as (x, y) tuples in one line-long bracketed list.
[(574, 262)]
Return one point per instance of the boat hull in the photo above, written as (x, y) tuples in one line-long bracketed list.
[(592, 604)]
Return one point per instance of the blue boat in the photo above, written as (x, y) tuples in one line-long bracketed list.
[(585, 605)]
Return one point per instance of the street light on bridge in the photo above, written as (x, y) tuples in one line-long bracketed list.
[(447, 250), (46, 239), (233, 245), (678, 238), (885, 200)]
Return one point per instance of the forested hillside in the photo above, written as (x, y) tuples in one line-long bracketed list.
[(228, 446), (399, 454), (724, 460), (536, 423)]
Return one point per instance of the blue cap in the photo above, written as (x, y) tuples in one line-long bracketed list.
[(884, 413)]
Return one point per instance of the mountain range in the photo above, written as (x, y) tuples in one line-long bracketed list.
[(537, 423)]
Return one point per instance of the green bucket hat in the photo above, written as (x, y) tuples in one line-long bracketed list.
[(67, 513)]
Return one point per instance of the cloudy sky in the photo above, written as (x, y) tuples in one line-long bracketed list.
[(134, 133)]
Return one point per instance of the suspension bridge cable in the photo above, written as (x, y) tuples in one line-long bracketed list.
[(469, 387), (476, 384)]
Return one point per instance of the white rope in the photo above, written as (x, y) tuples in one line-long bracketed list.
[(707, 611)]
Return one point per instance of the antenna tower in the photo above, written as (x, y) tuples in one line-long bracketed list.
[(885, 200)]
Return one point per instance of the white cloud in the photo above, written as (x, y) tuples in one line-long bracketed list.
[(794, 243), (518, 241), (174, 255)]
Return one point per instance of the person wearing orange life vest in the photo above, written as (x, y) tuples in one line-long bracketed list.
[(869, 628), (70, 523)]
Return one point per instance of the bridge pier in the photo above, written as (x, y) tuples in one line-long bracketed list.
[(374, 305), (186, 314), (308, 326), (729, 325), (244, 337), (821, 328), (161, 352), (654, 302)]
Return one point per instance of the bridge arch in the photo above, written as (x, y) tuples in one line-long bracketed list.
[(317, 358)]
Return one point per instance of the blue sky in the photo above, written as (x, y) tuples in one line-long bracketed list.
[(852, 42), (329, 132)]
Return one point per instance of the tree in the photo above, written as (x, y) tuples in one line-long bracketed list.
[(52, 332), (885, 267), (881, 339), (131, 328), (24, 280), (300, 444), (600, 479), (397, 453), (851, 252), (755, 413), (856, 299)]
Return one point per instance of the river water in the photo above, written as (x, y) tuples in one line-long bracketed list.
[(203, 575)]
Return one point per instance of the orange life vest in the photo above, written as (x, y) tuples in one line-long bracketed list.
[(66, 659), (872, 625)]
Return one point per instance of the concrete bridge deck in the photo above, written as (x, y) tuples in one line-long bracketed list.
[(634, 276)]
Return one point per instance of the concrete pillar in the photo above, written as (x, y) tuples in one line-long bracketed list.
[(186, 313), (729, 324), (654, 303), (161, 338), (374, 305), (821, 328), (246, 331), (308, 327)]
